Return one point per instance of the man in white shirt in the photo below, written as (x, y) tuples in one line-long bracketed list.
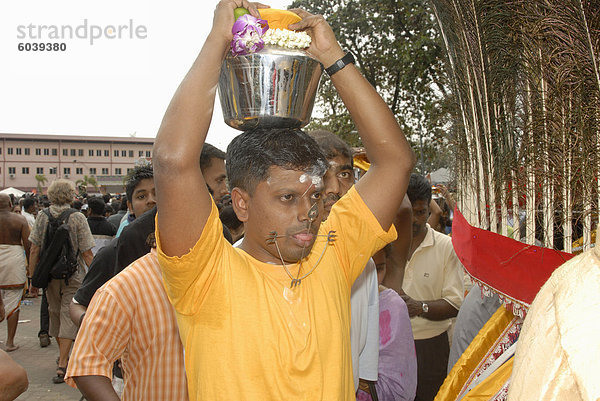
[(364, 299), (433, 283), (29, 211)]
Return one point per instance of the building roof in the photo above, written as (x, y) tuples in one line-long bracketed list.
[(74, 138)]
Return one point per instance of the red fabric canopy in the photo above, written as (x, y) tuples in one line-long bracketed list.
[(510, 267)]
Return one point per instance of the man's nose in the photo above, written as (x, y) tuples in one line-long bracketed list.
[(332, 186), (152, 199)]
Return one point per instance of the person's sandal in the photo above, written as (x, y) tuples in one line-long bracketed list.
[(60, 375)]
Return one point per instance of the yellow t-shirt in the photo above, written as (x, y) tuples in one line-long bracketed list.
[(248, 336)]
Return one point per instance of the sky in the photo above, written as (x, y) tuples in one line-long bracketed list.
[(116, 72)]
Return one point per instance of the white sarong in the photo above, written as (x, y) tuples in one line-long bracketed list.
[(13, 266)]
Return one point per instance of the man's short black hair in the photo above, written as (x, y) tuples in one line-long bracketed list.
[(97, 205), (251, 154), (135, 176), (419, 189), (27, 203), (331, 145), (77, 204), (208, 153)]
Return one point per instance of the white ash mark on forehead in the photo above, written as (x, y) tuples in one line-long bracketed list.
[(303, 178)]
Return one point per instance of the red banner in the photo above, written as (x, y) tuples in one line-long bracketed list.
[(510, 267)]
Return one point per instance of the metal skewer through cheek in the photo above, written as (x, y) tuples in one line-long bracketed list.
[(313, 213)]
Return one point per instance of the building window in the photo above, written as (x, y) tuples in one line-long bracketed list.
[(67, 170), (12, 170), (123, 153), (116, 153), (104, 171), (80, 152), (39, 170), (147, 153), (91, 152), (129, 170), (18, 151), (0, 151), (38, 151), (141, 153), (52, 170), (98, 152), (118, 171), (131, 153), (92, 170), (54, 152), (27, 151), (106, 153), (9, 151), (72, 152), (79, 170), (25, 170), (65, 152)]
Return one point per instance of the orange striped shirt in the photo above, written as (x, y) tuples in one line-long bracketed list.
[(130, 318)]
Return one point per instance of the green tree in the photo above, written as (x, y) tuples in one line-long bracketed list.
[(82, 184), (398, 49), (41, 180)]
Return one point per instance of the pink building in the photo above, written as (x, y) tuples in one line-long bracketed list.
[(108, 159)]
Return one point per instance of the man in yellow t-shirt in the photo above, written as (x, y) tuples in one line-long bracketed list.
[(270, 320)]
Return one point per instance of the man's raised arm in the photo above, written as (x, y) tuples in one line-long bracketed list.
[(392, 160), (182, 132)]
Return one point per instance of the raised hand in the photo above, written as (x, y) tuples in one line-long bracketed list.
[(223, 18), (324, 46)]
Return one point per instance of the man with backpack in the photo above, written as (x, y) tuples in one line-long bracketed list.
[(61, 241)]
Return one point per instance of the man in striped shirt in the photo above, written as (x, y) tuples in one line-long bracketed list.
[(130, 317)]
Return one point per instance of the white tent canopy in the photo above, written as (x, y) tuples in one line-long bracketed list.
[(14, 191)]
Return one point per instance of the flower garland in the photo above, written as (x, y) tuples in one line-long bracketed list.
[(250, 34)]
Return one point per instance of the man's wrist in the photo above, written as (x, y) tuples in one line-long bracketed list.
[(332, 56)]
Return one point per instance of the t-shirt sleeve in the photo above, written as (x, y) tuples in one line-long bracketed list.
[(358, 233), (453, 291), (188, 278), (102, 338)]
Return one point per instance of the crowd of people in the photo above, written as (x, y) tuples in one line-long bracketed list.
[(282, 277)]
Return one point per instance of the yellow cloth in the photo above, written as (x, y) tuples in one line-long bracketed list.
[(485, 390), (470, 361), (247, 336), (558, 353)]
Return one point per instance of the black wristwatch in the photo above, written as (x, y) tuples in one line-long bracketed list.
[(341, 63)]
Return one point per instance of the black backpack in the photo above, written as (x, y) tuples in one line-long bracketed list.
[(58, 260)]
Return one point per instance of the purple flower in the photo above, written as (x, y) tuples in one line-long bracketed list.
[(247, 35)]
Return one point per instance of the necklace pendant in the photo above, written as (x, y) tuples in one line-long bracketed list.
[(295, 282)]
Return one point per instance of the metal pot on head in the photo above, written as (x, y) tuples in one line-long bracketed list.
[(274, 88)]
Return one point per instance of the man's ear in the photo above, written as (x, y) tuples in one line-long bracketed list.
[(129, 207), (239, 201)]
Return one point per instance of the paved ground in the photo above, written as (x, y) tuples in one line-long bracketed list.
[(40, 363)]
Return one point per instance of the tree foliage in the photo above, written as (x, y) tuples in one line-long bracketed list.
[(526, 80), (400, 53)]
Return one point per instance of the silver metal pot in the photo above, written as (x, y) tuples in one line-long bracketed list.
[(274, 88)]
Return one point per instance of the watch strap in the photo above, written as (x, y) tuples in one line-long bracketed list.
[(341, 63)]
